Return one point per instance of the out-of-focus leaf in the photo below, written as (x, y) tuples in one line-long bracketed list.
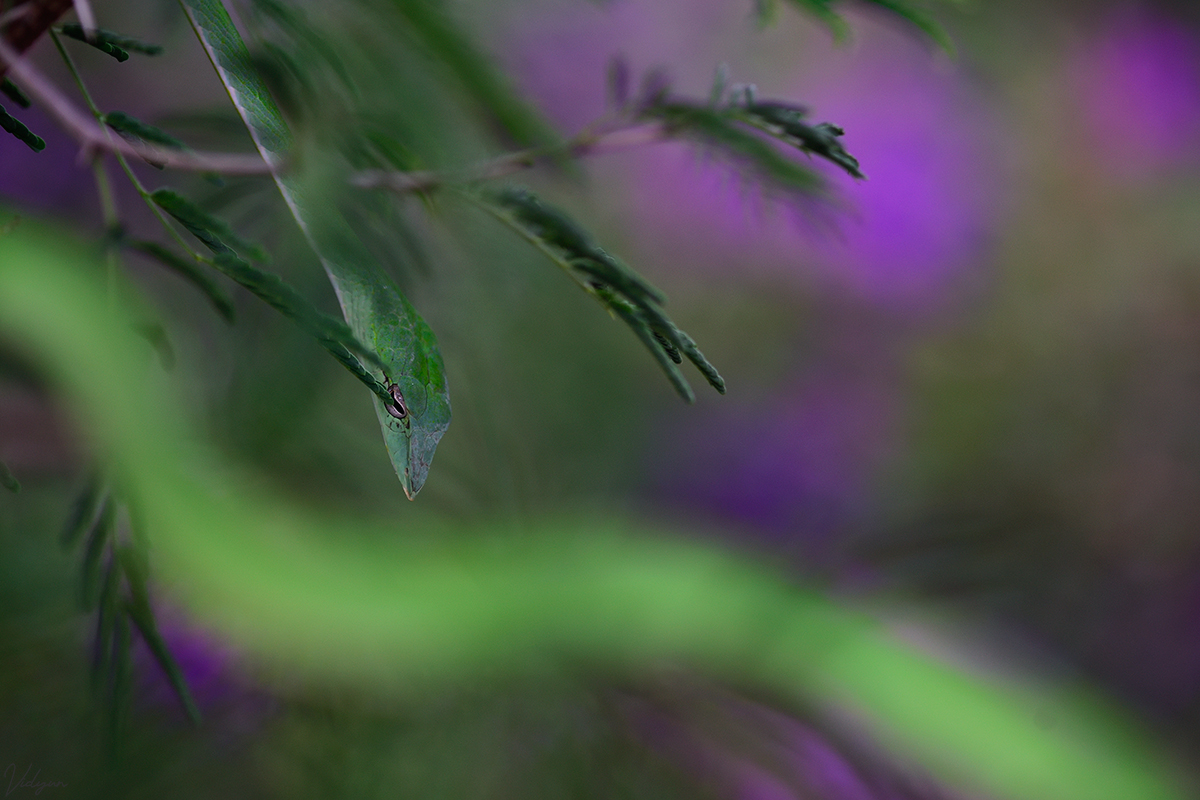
[(116, 41), (83, 512), (334, 335), (329, 600), (75, 31), (14, 93), (106, 614), (156, 336), (622, 291), (918, 19), (720, 130), (142, 615), (98, 540), (8, 480), (122, 123), (191, 272), (786, 123), (824, 10), (17, 128), (215, 233), (293, 20), (445, 39), (378, 314)]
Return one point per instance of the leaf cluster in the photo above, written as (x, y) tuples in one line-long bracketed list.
[(113, 586), (625, 293)]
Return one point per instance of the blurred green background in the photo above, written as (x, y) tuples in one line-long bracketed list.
[(962, 396)]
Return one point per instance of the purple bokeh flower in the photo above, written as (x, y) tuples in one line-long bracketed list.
[(1137, 89)]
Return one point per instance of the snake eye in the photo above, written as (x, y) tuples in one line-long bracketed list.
[(396, 408)]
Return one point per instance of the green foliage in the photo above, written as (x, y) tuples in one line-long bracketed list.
[(137, 606), (17, 128), (113, 44), (134, 128), (622, 291), (215, 233), (722, 130), (826, 12), (191, 272), (444, 39), (14, 93)]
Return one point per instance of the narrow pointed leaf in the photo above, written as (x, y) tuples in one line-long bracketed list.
[(823, 11), (140, 612), (83, 512), (14, 93), (445, 39), (190, 271), (376, 311), (105, 614), (920, 20), (8, 480), (74, 30), (786, 123), (626, 295), (627, 313), (215, 233), (122, 123), (98, 540), (156, 336), (17, 128), (334, 335), (720, 131), (116, 40)]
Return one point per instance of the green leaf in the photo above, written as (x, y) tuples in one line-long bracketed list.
[(14, 93), (215, 233), (786, 123), (122, 123), (116, 41), (83, 512), (445, 39), (627, 295), (190, 271), (74, 30), (106, 613), (156, 336), (720, 130), (921, 21), (334, 335), (98, 540), (140, 612), (8, 480), (17, 128), (378, 314), (824, 11)]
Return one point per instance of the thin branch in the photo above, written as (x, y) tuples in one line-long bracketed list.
[(615, 139), (91, 136)]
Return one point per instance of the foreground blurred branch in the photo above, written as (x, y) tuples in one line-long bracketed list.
[(91, 136), (26, 22)]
